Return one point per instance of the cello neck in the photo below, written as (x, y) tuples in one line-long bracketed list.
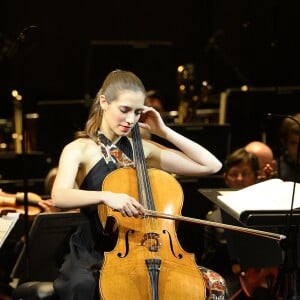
[(144, 187)]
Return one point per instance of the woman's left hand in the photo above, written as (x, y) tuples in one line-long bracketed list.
[(151, 120)]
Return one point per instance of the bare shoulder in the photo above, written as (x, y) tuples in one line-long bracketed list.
[(81, 144), (82, 147)]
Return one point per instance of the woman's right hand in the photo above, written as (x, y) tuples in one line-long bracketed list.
[(125, 204)]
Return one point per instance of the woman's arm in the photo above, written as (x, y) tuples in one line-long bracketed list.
[(66, 196), (192, 159)]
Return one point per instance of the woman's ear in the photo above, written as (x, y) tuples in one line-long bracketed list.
[(103, 102)]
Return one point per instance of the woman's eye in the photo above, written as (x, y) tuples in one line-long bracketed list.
[(123, 110)]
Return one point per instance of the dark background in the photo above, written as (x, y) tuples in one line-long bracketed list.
[(230, 43), (56, 53)]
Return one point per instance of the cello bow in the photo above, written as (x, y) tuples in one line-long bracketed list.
[(265, 234)]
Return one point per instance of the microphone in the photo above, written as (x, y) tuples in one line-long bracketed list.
[(213, 41), (22, 35), (281, 116), (21, 38)]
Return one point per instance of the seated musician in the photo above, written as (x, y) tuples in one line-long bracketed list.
[(241, 169), (288, 164), (97, 151), (267, 163)]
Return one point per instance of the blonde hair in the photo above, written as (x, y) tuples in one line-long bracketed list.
[(115, 82)]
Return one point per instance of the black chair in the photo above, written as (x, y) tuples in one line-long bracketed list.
[(35, 290), (48, 244)]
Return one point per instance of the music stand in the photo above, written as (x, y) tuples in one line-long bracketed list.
[(269, 219), (251, 250), (49, 243)]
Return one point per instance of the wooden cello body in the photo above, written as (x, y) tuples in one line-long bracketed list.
[(148, 261)]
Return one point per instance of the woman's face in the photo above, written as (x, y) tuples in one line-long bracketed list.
[(240, 176), (121, 114)]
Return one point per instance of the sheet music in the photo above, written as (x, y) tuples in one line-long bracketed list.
[(7, 223), (272, 194)]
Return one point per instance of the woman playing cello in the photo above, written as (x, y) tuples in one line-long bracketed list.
[(86, 161)]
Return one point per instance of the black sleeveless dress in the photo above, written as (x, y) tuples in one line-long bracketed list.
[(78, 278)]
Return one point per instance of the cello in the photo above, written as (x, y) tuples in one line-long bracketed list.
[(147, 261)]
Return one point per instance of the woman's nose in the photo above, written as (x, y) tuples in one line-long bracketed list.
[(130, 117)]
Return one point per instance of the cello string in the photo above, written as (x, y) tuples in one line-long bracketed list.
[(144, 188)]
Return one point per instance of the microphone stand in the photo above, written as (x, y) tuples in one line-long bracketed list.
[(289, 246), (20, 47)]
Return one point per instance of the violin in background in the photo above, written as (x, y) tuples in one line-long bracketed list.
[(15, 203)]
